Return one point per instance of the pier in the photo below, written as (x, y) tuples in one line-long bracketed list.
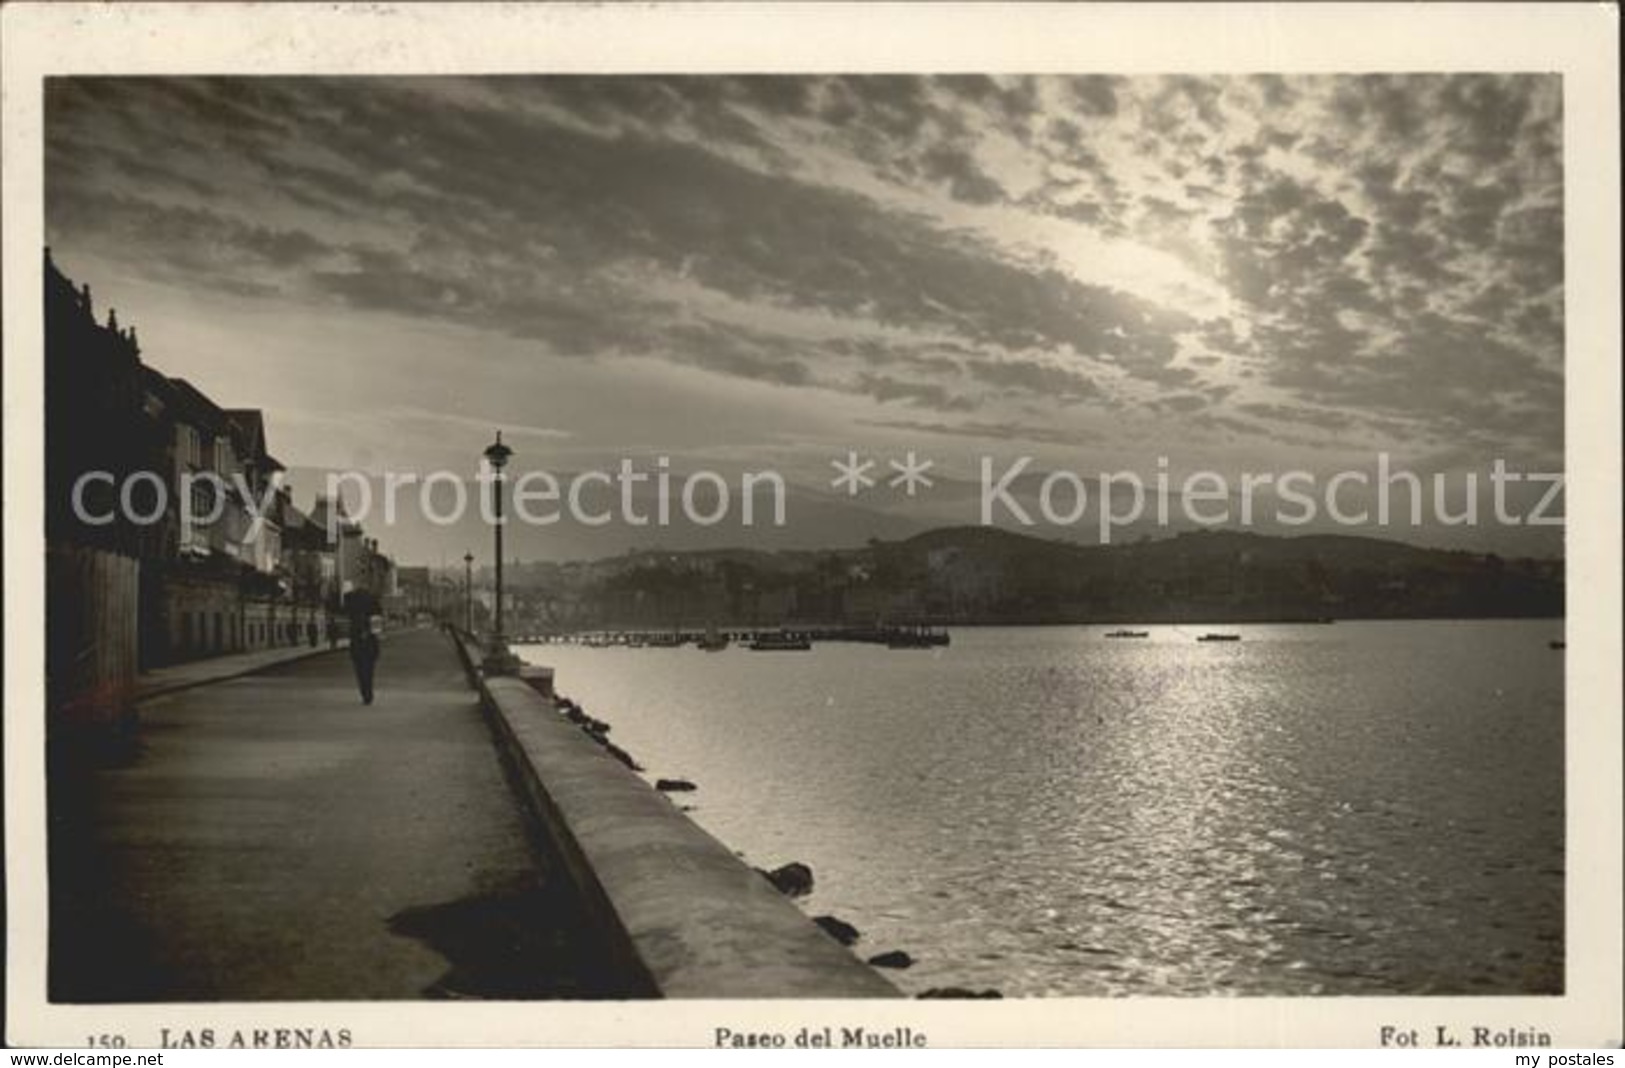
[(893, 635), (675, 905)]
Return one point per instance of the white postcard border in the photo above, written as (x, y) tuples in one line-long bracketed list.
[(1577, 40)]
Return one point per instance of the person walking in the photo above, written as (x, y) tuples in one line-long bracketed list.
[(361, 609)]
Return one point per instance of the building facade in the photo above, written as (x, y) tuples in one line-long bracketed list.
[(170, 533)]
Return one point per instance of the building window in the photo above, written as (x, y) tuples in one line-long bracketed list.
[(203, 500), (191, 446)]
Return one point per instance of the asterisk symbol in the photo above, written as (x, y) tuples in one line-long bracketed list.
[(911, 474), (853, 475)]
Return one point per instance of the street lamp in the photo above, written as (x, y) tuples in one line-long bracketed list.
[(498, 659), (468, 592)]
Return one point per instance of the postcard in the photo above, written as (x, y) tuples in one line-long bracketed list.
[(812, 525)]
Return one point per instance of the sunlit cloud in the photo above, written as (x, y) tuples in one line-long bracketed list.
[(1298, 262)]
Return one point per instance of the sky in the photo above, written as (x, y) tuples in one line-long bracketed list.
[(1237, 272)]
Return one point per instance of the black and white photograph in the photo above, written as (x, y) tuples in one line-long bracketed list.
[(947, 536)]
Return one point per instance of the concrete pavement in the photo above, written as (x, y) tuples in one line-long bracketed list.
[(276, 839)]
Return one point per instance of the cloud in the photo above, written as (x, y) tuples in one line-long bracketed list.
[(1095, 94), (965, 180), (990, 431), (886, 388), (1182, 403), (407, 415), (1389, 247), (1012, 100), (1037, 378), (188, 244), (1297, 413)]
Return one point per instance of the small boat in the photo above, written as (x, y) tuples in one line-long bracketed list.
[(1128, 634), (1219, 638), (780, 643), (915, 637)]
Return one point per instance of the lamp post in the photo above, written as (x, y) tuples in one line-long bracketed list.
[(498, 659), (468, 592)]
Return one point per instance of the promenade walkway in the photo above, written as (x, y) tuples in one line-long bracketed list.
[(276, 839)]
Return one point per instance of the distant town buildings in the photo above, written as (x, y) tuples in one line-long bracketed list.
[(427, 595)]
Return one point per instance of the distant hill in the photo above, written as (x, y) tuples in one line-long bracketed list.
[(974, 574)]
